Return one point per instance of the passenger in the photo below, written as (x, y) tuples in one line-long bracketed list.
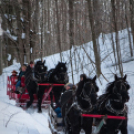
[(83, 77), (22, 73), (58, 112), (13, 79), (14, 74), (30, 83), (67, 87)]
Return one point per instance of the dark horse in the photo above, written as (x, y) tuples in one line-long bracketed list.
[(58, 75), (40, 74), (82, 102), (113, 103)]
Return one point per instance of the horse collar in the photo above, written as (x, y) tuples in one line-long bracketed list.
[(112, 110), (79, 108)]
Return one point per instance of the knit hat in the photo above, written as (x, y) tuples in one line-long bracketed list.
[(83, 76), (69, 85), (31, 62), (14, 72)]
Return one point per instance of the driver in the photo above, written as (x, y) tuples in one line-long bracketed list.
[(30, 83)]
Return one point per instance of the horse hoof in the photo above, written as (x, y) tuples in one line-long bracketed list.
[(39, 111)]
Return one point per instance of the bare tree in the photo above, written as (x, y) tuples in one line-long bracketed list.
[(118, 50), (95, 47), (1, 62), (71, 31), (132, 18)]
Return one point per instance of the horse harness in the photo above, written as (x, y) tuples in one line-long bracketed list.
[(77, 106), (108, 106), (86, 98)]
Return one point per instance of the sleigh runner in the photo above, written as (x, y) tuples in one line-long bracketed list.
[(56, 123)]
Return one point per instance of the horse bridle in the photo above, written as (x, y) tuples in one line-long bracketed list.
[(108, 104), (86, 97), (83, 90), (120, 96), (60, 73), (39, 74)]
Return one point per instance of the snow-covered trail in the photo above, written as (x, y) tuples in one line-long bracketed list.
[(13, 119)]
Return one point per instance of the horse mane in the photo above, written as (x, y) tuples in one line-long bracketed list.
[(60, 64), (38, 63), (81, 84), (36, 66), (109, 87)]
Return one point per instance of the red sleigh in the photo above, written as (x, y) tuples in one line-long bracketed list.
[(21, 99)]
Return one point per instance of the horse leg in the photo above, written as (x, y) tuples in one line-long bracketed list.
[(88, 130), (124, 128), (87, 125), (76, 129), (56, 96), (31, 98), (51, 97), (107, 131), (40, 96), (57, 93)]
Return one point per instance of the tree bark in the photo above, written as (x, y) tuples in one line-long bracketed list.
[(71, 32), (118, 51), (1, 61), (58, 28), (95, 47), (132, 18)]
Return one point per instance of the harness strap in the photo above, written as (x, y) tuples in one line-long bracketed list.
[(112, 110)]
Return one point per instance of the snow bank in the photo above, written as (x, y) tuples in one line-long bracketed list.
[(14, 120)]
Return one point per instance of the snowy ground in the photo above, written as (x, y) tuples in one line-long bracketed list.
[(15, 120)]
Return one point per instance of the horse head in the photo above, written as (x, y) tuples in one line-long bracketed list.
[(116, 95), (87, 93), (119, 89), (61, 67), (60, 73), (40, 71), (90, 90)]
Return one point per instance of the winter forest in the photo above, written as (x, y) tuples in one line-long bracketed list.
[(94, 37), (34, 29)]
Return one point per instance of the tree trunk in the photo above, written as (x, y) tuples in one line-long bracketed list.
[(1, 62), (132, 18), (71, 32), (95, 48), (58, 29), (27, 19), (118, 51)]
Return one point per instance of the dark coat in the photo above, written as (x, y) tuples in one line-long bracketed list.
[(29, 82), (20, 75)]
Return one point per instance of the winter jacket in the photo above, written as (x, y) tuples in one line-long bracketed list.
[(29, 82), (20, 75)]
